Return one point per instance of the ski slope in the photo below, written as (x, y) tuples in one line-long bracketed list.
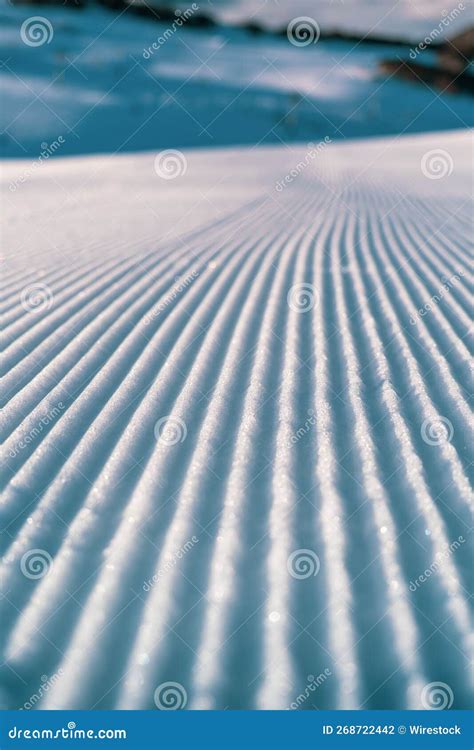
[(236, 428)]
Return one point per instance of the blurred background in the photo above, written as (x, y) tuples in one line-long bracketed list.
[(113, 75)]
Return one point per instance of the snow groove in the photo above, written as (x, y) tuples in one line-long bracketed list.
[(238, 452)]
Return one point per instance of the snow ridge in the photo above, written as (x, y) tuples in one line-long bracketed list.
[(181, 423)]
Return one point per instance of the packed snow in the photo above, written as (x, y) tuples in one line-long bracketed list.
[(236, 427), (235, 361)]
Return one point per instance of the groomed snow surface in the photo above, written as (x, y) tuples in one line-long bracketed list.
[(236, 428)]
